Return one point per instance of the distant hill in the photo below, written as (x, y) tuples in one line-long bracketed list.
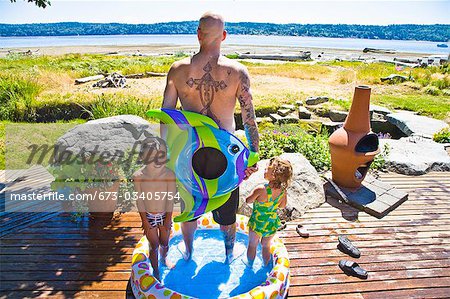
[(437, 33)]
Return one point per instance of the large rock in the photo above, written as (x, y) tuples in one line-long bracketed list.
[(338, 116), (114, 135), (412, 124), (415, 155), (305, 193), (304, 113), (316, 100), (288, 119), (290, 107), (379, 109)]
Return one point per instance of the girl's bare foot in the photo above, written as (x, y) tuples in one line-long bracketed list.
[(163, 250), (156, 274)]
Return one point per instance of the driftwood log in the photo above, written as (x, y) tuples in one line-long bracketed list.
[(285, 57), (413, 65), (25, 53), (373, 50), (115, 80), (88, 79), (145, 75), (394, 78)]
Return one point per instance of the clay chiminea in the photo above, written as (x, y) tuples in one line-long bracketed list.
[(353, 147)]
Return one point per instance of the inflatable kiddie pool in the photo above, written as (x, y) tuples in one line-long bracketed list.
[(144, 285)]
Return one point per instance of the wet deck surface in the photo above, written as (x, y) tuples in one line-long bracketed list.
[(407, 253)]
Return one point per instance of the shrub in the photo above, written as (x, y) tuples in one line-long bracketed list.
[(2, 146), (16, 98), (432, 90), (292, 139), (443, 136), (108, 105), (379, 163)]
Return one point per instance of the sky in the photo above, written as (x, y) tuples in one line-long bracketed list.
[(303, 12)]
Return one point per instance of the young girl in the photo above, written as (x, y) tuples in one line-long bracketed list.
[(155, 190), (264, 221)]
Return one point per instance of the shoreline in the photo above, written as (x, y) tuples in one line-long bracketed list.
[(170, 49)]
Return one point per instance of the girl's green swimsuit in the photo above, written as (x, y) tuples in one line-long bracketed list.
[(264, 220)]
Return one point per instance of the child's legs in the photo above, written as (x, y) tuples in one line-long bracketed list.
[(265, 242), (153, 241), (253, 241), (164, 235)]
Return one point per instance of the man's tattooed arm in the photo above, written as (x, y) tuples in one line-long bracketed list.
[(245, 98)]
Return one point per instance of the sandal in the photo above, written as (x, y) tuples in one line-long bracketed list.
[(352, 268), (347, 247), (283, 225), (301, 231)]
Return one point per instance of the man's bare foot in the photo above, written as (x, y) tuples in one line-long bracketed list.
[(182, 249), (168, 263), (238, 250), (247, 262)]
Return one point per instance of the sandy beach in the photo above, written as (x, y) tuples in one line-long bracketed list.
[(316, 53)]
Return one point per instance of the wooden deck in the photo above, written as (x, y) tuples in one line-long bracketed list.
[(407, 253)]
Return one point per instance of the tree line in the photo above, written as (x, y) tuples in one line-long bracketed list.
[(437, 33)]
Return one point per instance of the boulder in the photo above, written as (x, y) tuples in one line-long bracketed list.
[(288, 119), (304, 113), (338, 116), (288, 107), (305, 192), (284, 112), (298, 103), (113, 135), (412, 124), (316, 100), (383, 126), (332, 126), (261, 120), (379, 109), (415, 155)]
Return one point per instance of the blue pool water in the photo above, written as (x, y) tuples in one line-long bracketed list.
[(206, 276)]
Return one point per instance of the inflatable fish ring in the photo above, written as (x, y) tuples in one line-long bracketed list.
[(145, 285), (195, 142)]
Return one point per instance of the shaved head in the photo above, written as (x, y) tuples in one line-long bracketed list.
[(211, 28)]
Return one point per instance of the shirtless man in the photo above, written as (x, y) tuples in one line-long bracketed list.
[(209, 83)]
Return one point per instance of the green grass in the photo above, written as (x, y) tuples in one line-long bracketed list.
[(17, 137), (433, 106), (289, 69), (16, 97), (40, 88), (79, 65), (2, 145), (424, 104), (109, 105)]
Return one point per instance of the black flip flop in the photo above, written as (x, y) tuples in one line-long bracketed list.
[(352, 268), (301, 231), (347, 247), (283, 225)]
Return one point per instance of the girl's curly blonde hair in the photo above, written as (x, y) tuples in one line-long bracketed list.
[(282, 171)]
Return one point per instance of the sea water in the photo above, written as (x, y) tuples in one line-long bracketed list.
[(207, 275), (232, 39)]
